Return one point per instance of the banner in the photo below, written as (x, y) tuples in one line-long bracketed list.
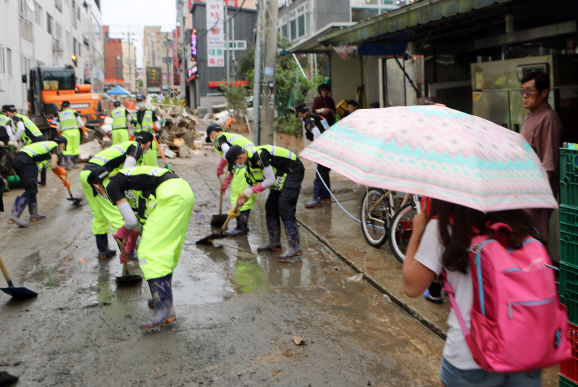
[(216, 33), (153, 75)]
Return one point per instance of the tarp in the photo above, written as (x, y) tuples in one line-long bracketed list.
[(118, 91), (414, 15)]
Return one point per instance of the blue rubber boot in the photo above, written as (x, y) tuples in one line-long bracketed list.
[(317, 193), (33, 210), (102, 245), (75, 162), (161, 290), (294, 250), (242, 227), (133, 256), (17, 209), (42, 181), (67, 162), (274, 230)]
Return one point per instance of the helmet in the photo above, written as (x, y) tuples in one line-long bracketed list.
[(140, 97), (116, 103), (232, 154), (65, 104), (60, 140)]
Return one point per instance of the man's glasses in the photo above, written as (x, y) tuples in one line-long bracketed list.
[(528, 92)]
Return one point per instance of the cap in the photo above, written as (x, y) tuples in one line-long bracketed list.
[(9, 108), (60, 140), (214, 128), (143, 137), (232, 154), (116, 103), (97, 175), (301, 108), (65, 104), (140, 97)]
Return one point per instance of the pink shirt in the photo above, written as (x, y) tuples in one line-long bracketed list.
[(543, 129)]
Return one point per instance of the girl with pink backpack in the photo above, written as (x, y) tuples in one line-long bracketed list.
[(506, 322)]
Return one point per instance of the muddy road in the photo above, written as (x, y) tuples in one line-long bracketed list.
[(237, 311)]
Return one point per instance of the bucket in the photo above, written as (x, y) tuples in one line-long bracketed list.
[(14, 182)]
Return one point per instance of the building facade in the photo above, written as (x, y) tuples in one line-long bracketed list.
[(113, 60), (203, 80), (48, 33), (129, 68), (160, 50)]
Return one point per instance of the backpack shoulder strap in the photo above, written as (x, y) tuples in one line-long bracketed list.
[(453, 304)]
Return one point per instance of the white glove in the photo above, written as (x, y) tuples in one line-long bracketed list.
[(2, 145), (248, 192), (11, 143)]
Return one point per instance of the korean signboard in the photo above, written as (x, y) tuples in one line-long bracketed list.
[(194, 45), (154, 75), (216, 35)]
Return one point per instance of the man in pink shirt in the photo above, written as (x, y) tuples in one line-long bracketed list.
[(542, 129)]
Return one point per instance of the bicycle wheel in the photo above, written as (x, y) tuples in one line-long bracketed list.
[(400, 231), (375, 227)]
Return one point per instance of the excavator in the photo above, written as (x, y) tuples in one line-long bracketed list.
[(49, 87)]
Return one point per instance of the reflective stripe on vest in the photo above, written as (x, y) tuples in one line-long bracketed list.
[(67, 120), (146, 121), (36, 148), (233, 139), (153, 172), (119, 118), (110, 154), (32, 128)]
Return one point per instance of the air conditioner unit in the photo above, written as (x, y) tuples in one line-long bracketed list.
[(57, 45)]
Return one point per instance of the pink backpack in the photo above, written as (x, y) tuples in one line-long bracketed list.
[(517, 322)]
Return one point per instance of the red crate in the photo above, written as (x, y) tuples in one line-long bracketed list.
[(569, 369)]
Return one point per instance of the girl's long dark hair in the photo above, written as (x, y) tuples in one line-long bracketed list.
[(457, 224)]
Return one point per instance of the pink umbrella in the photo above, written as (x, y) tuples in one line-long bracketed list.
[(437, 152)]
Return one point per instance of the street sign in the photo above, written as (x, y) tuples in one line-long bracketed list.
[(216, 33), (238, 45), (154, 75)]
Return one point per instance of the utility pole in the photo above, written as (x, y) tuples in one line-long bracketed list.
[(257, 75), (184, 60), (227, 39), (268, 103)]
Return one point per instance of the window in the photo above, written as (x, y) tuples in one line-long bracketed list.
[(299, 22), (74, 43), (58, 5), (283, 27), (118, 66), (25, 10), (49, 23), (363, 3), (25, 70), (8, 62), (38, 14), (3, 60), (67, 39), (359, 14), (58, 31)]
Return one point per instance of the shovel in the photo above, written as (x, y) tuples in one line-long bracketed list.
[(11, 290), (219, 220), (75, 201), (126, 277), (167, 165), (208, 240)]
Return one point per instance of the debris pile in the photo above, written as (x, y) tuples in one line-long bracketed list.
[(179, 133)]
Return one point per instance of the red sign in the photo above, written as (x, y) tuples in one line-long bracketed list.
[(236, 83)]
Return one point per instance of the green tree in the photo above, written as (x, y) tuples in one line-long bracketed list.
[(236, 97)]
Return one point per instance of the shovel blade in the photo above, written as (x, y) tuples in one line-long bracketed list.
[(208, 240), (19, 292), (219, 220), (75, 201), (126, 279)]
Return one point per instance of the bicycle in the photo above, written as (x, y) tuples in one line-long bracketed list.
[(401, 225), (377, 209)]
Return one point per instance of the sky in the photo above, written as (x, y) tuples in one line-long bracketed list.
[(131, 16)]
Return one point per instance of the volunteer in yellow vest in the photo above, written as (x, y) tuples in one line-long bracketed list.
[(282, 172), (223, 141), (28, 133), (69, 125), (110, 161), (165, 203), (121, 117), (26, 163), (146, 120), (6, 121)]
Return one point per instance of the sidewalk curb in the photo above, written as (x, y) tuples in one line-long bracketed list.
[(411, 311)]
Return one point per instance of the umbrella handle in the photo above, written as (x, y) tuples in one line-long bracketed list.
[(6, 275)]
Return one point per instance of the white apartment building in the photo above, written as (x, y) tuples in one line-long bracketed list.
[(47, 33)]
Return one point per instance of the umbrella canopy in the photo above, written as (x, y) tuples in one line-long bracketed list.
[(118, 91), (437, 152)]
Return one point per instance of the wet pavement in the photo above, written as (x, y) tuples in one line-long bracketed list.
[(237, 310)]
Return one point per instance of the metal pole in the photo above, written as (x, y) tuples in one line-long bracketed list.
[(184, 60), (227, 39), (257, 75), (268, 103)]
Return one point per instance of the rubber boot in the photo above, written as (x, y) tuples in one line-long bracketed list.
[(102, 245), (317, 192), (161, 290), (33, 210), (17, 209), (294, 250), (274, 230), (67, 163), (42, 181), (151, 301), (75, 162), (242, 224)]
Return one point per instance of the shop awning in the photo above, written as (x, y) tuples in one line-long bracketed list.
[(418, 14), (311, 45)]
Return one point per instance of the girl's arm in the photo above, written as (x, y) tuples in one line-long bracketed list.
[(416, 277)]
